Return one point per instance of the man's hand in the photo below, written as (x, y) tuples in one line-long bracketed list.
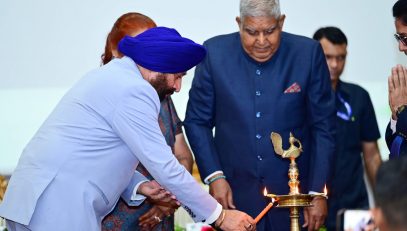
[(157, 194), (222, 192), (168, 211), (151, 218), (397, 88), (235, 220), (315, 216)]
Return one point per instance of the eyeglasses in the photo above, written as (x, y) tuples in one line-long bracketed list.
[(401, 38)]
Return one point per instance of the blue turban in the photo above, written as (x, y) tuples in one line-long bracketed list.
[(162, 49)]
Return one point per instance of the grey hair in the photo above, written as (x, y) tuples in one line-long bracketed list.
[(258, 8)]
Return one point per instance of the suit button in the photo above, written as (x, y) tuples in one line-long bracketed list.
[(259, 157), (258, 72), (258, 136), (258, 114), (258, 93)]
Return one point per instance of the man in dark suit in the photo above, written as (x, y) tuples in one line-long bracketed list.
[(396, 133), (252, 83)]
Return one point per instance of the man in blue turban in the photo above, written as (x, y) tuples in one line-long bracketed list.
[(163, 60), (109, 120)]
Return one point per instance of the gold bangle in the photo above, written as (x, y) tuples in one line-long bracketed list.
[(222, 218)]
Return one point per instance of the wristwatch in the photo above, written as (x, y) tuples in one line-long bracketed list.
[(400, 109)]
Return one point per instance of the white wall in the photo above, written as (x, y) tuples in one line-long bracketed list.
[(47, 45)]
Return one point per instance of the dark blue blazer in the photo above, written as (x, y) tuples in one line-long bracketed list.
[(245, 101), (401, 131)]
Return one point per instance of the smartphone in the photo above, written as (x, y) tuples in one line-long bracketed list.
[(353, 220)]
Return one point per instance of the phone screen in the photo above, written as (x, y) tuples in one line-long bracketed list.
[(354, 220)]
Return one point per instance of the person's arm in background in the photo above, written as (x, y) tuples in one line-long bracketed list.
[(182, 152), (369, 132), (372, 159), (181, 149), (321, 113)]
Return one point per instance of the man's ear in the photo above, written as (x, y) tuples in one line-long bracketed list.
[(116, 53), (281, 21), (238, 21), (145, 73)]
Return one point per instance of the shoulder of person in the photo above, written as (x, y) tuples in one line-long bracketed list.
[(127, 81), (354, 88), (223, 40), (297, 40)]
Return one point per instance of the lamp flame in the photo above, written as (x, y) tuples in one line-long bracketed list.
[(325, 191), (265, 191)]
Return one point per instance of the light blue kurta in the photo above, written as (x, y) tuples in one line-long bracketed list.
[(108, 120)]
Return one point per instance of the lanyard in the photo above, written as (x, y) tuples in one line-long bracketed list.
[(345, 116), (395, 147)]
